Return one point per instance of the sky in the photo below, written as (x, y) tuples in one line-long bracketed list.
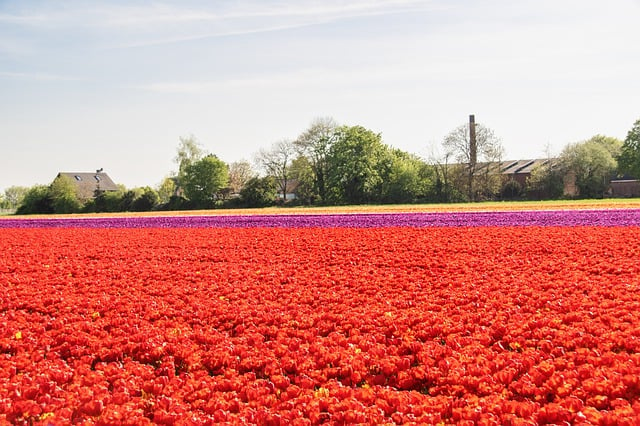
[(89, 84)]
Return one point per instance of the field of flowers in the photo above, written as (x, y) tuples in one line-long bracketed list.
[(510, 317)]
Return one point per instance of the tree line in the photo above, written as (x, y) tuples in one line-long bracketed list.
[(331, 164)]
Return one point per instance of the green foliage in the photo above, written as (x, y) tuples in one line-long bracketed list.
[(406, 178), (629, 158), (315, 144), (166, 189), (137, 199), (63, 195), (189, 151), (511, 190), (14, 195), (355, 164), (593, 163), (175, 202), (107, 202), (301, 172), (37, 200), (146, 201), (545, 182), (127, 199), (204, 179), (259, 192)]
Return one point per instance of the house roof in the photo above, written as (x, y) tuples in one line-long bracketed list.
[(87, 183), (521, 166)]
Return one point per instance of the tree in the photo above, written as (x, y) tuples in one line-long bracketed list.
[(63, 195), (407, 179), (37, 200), (166, 189), (355, 166), (146, 201), (629, 158), (489, 152), (239, 173), (203, 180), (592, 162), (546, 181), (14, 195), (189, 151), (315, 144), (301, 172), (107, 201), (259, 192), (444, 190), (275, 161)]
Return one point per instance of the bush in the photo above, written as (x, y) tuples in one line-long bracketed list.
[(37, 200), (259, 192), (146, 201), (511, 190)]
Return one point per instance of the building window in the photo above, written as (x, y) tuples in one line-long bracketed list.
[(78, 178)]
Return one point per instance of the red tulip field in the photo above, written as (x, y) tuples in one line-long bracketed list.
[(486, 324)]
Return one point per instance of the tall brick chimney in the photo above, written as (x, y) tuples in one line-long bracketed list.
[(473, 146)]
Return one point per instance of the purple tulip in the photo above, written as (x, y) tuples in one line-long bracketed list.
[(614, 217)]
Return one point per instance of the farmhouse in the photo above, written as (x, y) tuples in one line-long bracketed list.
[(624, 188), (87, 183), (288, 193), (520, 170)]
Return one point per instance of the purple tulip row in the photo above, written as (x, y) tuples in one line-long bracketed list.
[(616, 217)]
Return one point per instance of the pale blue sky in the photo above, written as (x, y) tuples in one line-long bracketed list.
[(94, 83)]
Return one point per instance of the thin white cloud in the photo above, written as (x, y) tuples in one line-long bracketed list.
[(304, 78), (134, 16), (34, 76), (141, 24), (21, 20)]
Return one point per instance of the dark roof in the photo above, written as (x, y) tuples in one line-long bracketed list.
[(87, 183), (521, 166)]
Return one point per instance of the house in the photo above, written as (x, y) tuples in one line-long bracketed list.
[(520, 170), (289, 191), (88, 183), (624, 188)]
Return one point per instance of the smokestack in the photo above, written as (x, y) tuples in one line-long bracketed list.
[(473, 146)]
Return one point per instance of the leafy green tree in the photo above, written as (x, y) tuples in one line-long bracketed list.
[(259, 192), (629, 158), (301, 172), (315, 144), (166, 189), (107, 202), (593, 163), (511, 190), (127, 199), (189, 151), (146, 200), (407, 178), (355, 166), (204, 179), (37, 200), (63, 195), (14, 195), (545, 182)]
